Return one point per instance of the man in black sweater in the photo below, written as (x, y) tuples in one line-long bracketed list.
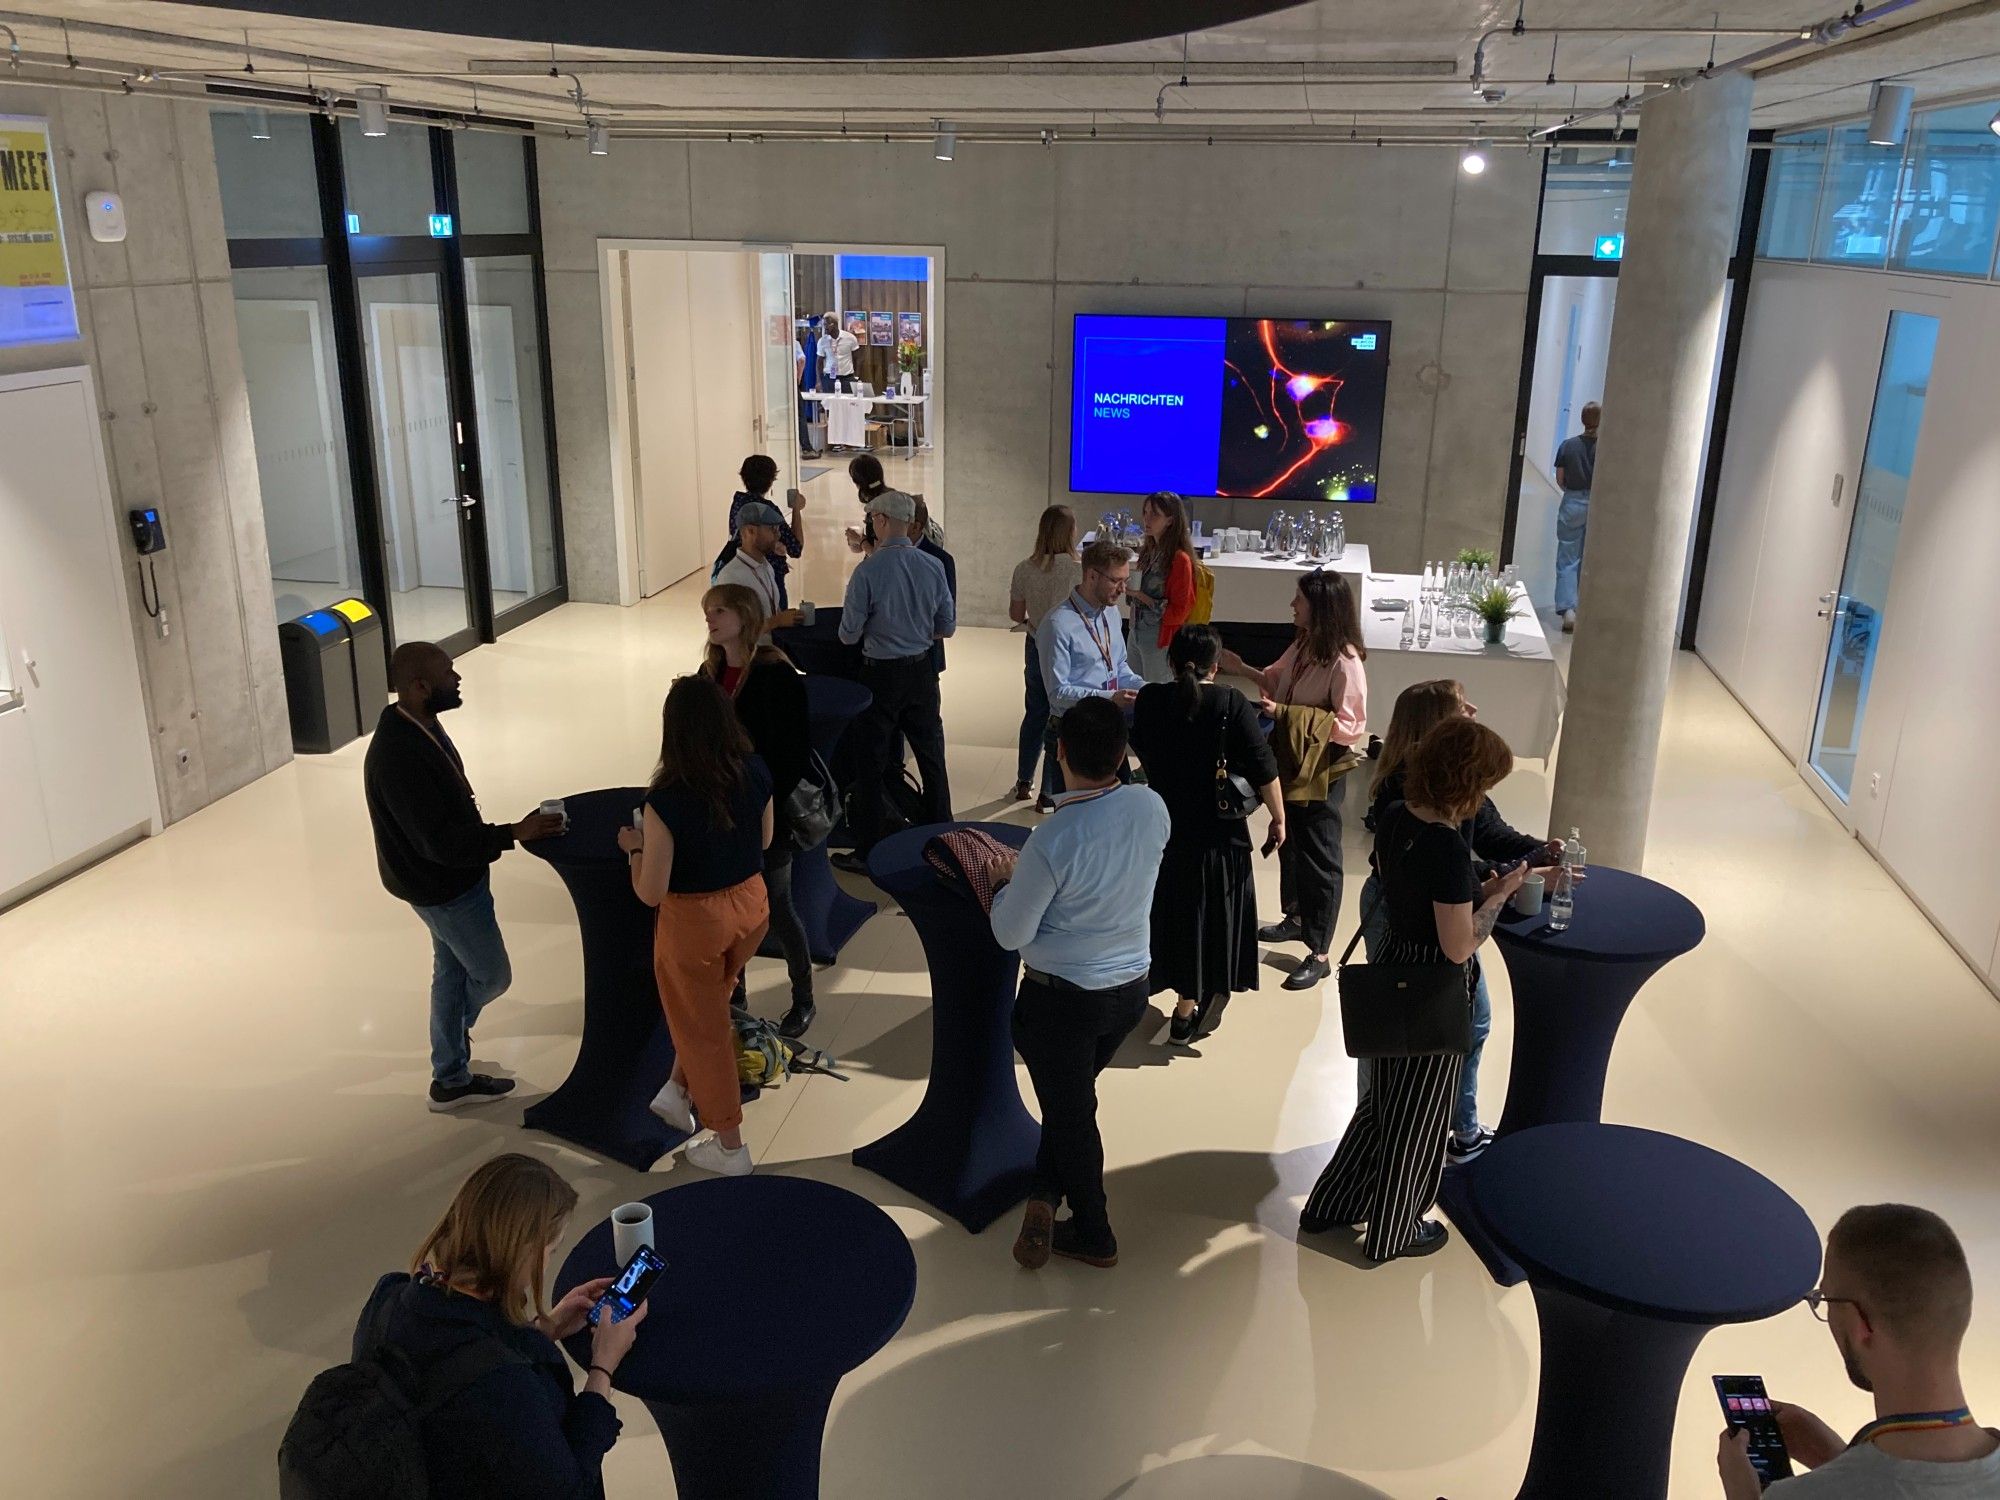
[(433, 852)]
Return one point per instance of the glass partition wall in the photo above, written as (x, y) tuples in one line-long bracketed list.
[(393, 329)]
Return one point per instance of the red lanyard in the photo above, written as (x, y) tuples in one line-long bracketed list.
[(1101, 642)]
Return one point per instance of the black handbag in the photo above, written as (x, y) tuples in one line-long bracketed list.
[(1403, 1010), (809, 813), (1235, 798)]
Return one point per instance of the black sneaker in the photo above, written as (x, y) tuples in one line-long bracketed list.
[(1067, 1242), (1287, 931), (798, 1020), (1312, 972), (477, 1089), (852, 862), (1430, 1238), (1181, 1028), (1460, 1151)]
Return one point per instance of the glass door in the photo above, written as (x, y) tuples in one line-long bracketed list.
[(778, 405), (1856, 608), (415, 428), (504, 335)]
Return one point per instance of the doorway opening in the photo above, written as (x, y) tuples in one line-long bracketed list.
[(716, 351)]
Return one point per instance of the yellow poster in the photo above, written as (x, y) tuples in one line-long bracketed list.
[(36, 305)]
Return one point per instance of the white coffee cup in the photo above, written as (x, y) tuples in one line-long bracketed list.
[(553, 807), (808, 612), (631, 1227), (1528, 899)]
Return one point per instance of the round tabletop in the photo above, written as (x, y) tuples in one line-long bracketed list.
[(897, 863), (721, 1322), (1620, 918), (835, 698), (594, 821), (1645, 1223)]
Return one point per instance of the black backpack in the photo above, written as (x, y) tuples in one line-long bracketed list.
[(358, 1431)]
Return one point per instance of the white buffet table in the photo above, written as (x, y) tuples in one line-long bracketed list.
[(847, 415), (1250, 586)]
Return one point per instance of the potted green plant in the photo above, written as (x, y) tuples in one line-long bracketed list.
[(1495, 604), (1477, 557)]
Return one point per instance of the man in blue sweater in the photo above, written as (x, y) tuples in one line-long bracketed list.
[(1077, 903)]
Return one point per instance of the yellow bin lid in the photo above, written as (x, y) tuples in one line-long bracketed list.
[(353, 611)]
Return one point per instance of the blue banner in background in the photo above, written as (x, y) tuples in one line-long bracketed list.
[(882, 267)]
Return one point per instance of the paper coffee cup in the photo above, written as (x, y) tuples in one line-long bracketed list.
[(631, 1227), (808, 612), (1528, 899), (554, 808)]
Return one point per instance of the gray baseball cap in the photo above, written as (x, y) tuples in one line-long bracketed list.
[(759, 513), (894, 504)]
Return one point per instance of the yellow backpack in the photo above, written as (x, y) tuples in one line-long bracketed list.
[(1204, 595)]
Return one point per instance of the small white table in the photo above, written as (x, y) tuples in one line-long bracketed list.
[(1252, 587), (847, 415)]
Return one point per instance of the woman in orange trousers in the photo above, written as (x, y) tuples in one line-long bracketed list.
[(699, 857)]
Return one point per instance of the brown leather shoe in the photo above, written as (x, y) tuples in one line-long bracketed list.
[(1031, 1245)]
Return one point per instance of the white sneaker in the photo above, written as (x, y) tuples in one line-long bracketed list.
[(711, 1155), (1569, 622), (674, 1107)]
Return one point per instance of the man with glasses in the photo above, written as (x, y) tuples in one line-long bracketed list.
[(1897, 1295), (1082, 644)]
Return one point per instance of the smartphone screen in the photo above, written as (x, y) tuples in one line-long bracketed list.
[(1745, 1405), (631, 1285)]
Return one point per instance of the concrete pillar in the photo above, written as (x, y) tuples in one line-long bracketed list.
[(1680, 228)]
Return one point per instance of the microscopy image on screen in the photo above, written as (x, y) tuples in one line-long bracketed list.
[(1302, 407)]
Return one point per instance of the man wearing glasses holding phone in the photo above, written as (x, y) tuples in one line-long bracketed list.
[(1081, 643), (1897, 1295)]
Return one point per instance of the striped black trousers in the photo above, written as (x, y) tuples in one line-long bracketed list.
[(1387, 1167)]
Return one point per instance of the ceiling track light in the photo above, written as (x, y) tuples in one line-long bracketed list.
[(372, 100), (598, 134), (1889, 113), (945, 145), (1473, 162), (260, 124)]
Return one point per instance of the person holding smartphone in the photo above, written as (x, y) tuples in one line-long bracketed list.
[(1896, 1294), (516, 1429)]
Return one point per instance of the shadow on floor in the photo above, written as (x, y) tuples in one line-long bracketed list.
[(1244, 1476)]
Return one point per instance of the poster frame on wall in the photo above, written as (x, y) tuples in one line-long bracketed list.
[(37, 297)]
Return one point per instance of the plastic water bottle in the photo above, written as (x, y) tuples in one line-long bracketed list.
[(1573, 851), (1409, 624), (1562, 899)]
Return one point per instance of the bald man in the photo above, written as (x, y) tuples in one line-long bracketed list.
[(1896, 1294), (433, 852)]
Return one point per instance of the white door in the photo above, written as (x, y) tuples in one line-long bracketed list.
[(661, 418), (725, 371), (68, 625)]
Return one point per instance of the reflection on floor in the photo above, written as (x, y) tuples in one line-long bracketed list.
[(212, 1069), (421, 614)]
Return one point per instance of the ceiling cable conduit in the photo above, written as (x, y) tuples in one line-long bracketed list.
[(1703, 33)]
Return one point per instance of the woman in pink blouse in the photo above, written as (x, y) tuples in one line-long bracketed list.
[(1317, 697)]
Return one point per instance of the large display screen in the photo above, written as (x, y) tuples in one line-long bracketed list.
[(1258, 408)]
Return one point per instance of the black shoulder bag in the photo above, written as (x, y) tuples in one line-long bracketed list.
[(1235, 798), (1403, 1010)]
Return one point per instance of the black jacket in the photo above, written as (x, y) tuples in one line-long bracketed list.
[(520, 1432), (771, 707), (1179, 757), (430, 844), (1491, 838)]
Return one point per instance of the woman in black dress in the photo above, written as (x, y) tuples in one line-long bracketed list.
[(1387, 1167), (1204, 905)]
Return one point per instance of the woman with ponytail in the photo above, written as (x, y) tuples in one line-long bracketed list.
[(1190, 734)]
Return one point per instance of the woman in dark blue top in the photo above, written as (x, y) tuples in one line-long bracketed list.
[(476, 1297), (699, 856)]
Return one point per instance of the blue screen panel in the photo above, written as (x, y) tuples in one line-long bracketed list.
[(1146, 404)]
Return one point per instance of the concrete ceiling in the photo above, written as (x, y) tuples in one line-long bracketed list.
[(1400, 68)]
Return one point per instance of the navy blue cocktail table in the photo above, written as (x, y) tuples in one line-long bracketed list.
[(625, 1053), (829, 914), (1636, 1245), (970, 1147), (1571, 991), (740, 1399)]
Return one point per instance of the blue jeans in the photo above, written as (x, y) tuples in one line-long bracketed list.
[(1465, 1109), (1147, 659), (1572, 516), (1034, 719), (469, 968)]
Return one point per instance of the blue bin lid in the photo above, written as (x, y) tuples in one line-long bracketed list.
[(322, 623)]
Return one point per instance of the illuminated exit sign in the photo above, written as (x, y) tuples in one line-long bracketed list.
[(1608, 247)]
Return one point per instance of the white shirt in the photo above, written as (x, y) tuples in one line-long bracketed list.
[(840, 358), (755, 574)]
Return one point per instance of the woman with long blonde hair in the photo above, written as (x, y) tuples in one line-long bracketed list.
[(1042, 580), (473, 1308)]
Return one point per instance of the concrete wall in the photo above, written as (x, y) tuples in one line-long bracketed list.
[(1031, 237), (159, 334)]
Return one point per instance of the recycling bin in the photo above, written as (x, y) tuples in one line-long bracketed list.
[(318, 656)]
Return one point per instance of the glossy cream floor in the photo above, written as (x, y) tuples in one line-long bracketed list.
[(212, 1076)]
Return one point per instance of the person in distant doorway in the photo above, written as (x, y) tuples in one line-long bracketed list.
[(433, 851), (804, 375), (1576, 465), (1042, 580), (1075, 903), (841, 344), (1082, 646), (898, 604), (1163, 593), (1896, 1294), (759, 474)]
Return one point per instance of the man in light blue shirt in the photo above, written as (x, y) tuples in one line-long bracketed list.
[(1077, 904), (1081, 643), (898, 602)]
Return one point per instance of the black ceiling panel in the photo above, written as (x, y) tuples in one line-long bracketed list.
[(792, 28)]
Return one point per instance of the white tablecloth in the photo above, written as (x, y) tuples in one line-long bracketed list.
[(1251, 587), (847, 415), (1518, 686)]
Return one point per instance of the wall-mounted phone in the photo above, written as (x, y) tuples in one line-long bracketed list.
[(149, 536)]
